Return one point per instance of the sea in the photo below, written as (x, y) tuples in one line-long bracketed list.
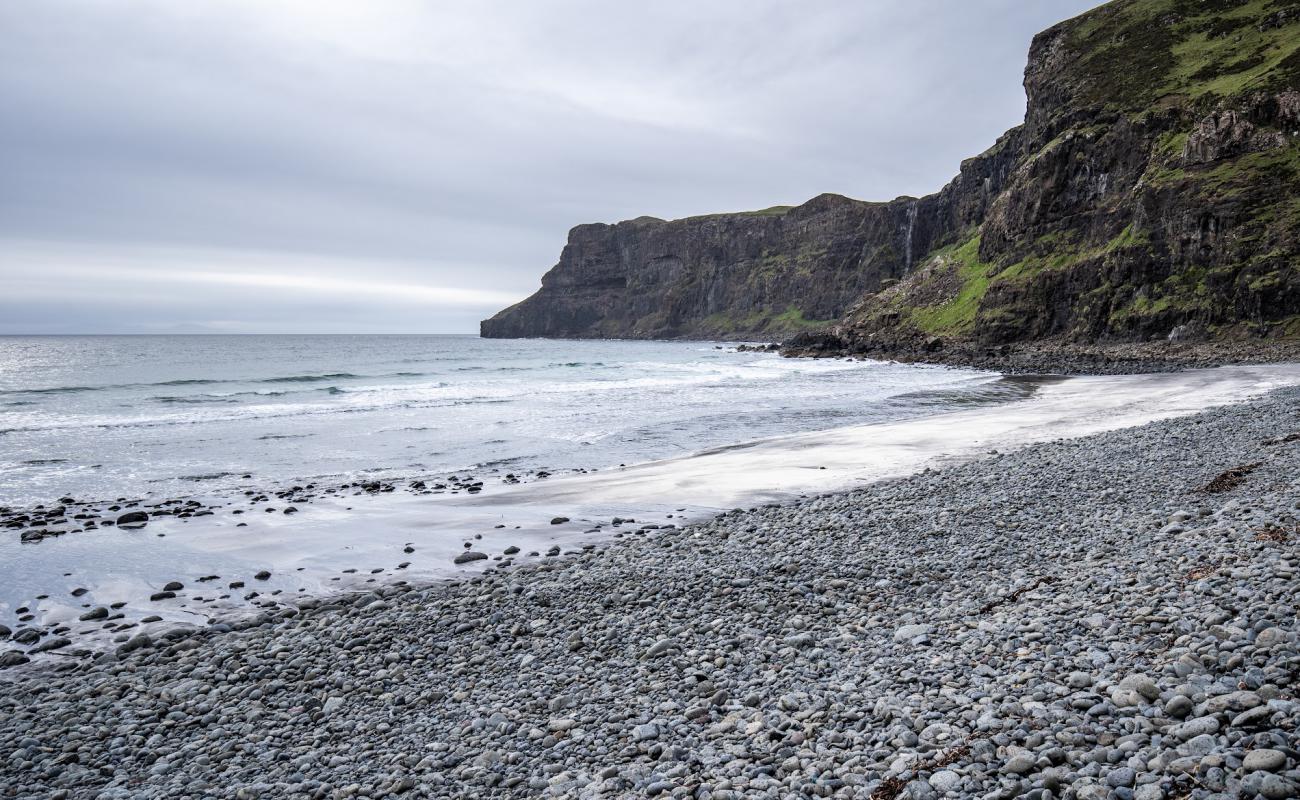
[(265, 462), (106, 417)]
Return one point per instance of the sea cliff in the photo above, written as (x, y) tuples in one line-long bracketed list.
[(1149, 195)]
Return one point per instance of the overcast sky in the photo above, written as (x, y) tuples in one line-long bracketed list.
[(402, 166)]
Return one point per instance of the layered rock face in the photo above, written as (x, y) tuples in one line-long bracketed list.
[(1152, 191), (765, 273)]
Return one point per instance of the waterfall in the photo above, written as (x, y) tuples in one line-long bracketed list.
[(911, 222)]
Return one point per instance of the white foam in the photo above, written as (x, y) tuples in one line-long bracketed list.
[(309, 549)]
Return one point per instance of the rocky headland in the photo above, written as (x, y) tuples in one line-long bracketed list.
[(1148, 196)]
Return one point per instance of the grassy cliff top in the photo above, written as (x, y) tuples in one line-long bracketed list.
[(1132, 55)]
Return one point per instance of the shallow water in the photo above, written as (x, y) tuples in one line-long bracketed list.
[(126, 416), (311, 552)]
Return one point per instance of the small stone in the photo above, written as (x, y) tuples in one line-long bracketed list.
[(468, 556), (659, 648), (945, 780), (95, 613), (1178, 706), (263, 575), (13, 658), (1266, 760), (1020, 764), (1142, 684), (908, 633), (1196, 727), (1124, 776), (559, 520), (174, 586), (1079, 680), (1270, 638), (51, 644), (137, 642)]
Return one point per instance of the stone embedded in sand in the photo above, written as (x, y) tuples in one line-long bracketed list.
[(468, 556)]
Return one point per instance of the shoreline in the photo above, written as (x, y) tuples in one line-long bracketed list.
[(1049, 356), (1073, 599), (262, 552)]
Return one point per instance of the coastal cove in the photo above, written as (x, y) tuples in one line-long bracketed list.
[(916, 632), (243, 555)]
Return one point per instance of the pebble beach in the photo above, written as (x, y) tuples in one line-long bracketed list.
[(1106, 617)]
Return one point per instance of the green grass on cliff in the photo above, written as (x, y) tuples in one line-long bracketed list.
[(957, 315), (1133, 53), (1060, 250)]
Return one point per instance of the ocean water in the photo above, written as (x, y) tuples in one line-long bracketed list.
[(102, 417)]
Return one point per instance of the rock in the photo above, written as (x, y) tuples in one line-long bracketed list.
[(1270, 638), (132, 518), (331, 705), (140, 641), (263, 575), (1178, 706), (911, 633), (1264, 759), (13, 658), (645, 733), (659, 648), (1196, 727), (162, 596), (173, 586), (945, 780), (1079, 680), (95, 613), (1270, 786), (1019, 764), (1142, 684), (53, 643), (468, 556), (559, 520), (1124, 776)]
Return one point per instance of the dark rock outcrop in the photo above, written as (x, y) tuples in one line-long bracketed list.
[(1151, 192), (723, 275)]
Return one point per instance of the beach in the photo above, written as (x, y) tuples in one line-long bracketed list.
[(84, 577), (1105, 616)]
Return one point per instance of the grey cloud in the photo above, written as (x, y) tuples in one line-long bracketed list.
[(452, 144)]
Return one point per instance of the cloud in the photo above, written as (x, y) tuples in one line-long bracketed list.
[(453, 144)]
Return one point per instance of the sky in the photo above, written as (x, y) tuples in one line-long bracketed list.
[(394, 166)]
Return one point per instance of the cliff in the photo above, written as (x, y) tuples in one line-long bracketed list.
[(764, 273), (1152, 191)]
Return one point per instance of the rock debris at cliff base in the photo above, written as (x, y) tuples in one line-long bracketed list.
[(1047, 357), (1078, 619)]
